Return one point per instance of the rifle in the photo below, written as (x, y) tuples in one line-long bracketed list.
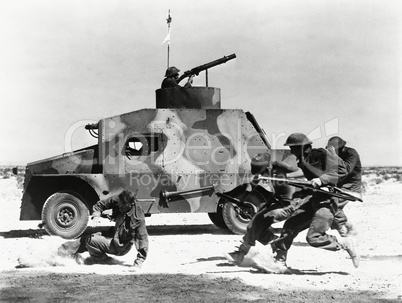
[(244, 208), (198, 69), (327, 190)]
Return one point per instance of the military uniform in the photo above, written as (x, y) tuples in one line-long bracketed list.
[(318, 165), (129, 230), (277, 209), (169, 83), (318, 213), (352, 182), (171, 76)]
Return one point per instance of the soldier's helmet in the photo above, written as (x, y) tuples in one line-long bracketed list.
[(297, 139), (336, 142), (260, 162), (171, 71)]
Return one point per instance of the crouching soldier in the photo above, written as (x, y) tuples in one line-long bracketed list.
[(129, 230)]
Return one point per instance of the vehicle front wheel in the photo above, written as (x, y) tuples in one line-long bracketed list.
[(65, 215)]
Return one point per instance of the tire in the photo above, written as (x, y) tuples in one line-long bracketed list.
[(234, 221), (65, 215), (217, 218)]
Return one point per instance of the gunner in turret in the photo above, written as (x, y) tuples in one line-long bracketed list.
[(171, 77)]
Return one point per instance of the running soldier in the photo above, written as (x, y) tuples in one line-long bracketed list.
[(352, 182), (278, 208), (322, 168)]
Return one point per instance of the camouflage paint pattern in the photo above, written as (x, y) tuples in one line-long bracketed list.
[(181, 149)]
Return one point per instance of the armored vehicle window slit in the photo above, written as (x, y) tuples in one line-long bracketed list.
[(141, 145)]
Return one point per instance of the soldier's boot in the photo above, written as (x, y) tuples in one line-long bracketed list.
[(272, 244), (237, 256), (349, 245), (280, 257), (78, 259), (138, 263), (347, 230)]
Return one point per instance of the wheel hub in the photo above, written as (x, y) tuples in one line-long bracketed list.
[(65, 216), (246, 212)]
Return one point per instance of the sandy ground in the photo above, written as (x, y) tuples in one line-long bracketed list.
[(186, 262)]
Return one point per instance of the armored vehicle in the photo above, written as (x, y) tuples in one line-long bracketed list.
[(175, 157)]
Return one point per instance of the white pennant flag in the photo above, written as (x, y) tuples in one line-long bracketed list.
[(167, 38)]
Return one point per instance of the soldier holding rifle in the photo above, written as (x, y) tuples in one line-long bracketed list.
[(278, 208), (321, 168)]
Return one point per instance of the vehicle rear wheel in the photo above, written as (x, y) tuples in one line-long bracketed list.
[(217, 218), (236, 222), (65, 215)]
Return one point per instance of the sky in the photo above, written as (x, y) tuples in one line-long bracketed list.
[(321, 67)]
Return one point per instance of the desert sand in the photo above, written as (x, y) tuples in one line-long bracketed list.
[(186, 262)]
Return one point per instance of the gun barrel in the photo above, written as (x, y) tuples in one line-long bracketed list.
[(333, 191), (349, 193), (285, 180), (92, 126), (197, 192), (198, 69), (217, 62)]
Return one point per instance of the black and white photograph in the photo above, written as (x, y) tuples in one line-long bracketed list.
[(201, 151)]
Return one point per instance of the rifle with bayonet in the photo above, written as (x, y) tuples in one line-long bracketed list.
[(306, 185)]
